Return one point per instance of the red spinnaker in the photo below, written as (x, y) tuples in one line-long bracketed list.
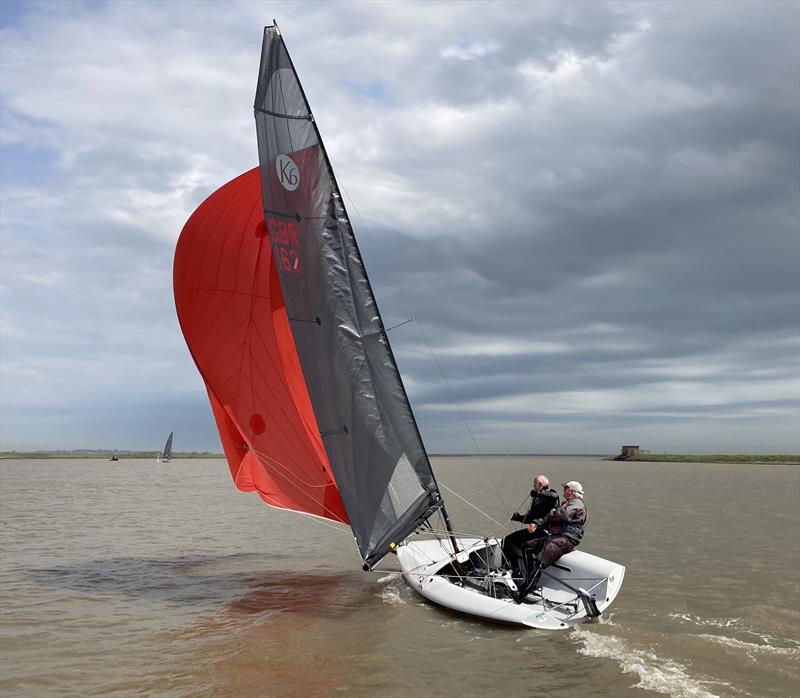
[(231, 310)]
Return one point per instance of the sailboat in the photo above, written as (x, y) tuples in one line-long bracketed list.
[(166, 455), (280, 318)]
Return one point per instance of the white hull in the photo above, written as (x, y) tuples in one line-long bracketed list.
[(551, 607)]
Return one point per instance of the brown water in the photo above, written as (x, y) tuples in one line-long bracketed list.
[(144, 578)]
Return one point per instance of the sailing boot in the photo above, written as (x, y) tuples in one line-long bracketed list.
[(534, 572)]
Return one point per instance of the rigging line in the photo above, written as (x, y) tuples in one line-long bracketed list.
[(314, 517), (352, 202), (274, 461), (321, 503), (450, 553), (480, 537), (399, 324), (493, 520), (337, 184), (318, 520), (333, 515), (463, 417), (524, 501)]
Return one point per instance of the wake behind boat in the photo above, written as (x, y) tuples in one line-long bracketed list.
[(277, 310)]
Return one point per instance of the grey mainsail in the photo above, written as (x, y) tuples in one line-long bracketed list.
[(365, 420), (167, 454)]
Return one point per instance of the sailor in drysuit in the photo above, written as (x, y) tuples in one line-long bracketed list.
[(565, 526), (543, 499)]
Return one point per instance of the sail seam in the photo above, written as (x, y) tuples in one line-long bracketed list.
[(231, 291), (239, 192), (236, 375), (258, 369), (246, 343), (253, 214)]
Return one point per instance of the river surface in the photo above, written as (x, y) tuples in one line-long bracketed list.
[(143, 578)]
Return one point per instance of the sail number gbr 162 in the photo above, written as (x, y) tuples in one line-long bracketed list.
[(285, 238)]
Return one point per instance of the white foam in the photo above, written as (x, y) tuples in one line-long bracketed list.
[(391, 595), (749, 647), (655, 674), (769, 643), (713, 622), (768, 639)]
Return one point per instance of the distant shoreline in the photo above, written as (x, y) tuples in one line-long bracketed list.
[(640, 458), (106, 455), (716, 458)]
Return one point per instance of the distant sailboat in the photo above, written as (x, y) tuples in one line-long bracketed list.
[(279, 315), (166, 455)]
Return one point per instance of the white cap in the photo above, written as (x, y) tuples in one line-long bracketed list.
[(574, 485)]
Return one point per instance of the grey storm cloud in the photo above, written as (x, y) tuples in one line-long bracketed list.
[(591, 209)]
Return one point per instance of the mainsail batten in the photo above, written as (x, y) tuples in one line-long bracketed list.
[(368, 429)]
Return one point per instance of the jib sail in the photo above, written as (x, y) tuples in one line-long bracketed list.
[(362, 412)]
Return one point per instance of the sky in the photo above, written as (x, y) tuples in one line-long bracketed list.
[(592, 211)]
